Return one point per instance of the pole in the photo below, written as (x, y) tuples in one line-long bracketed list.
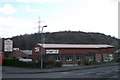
[(39, 26), (39, 38), (42, 47)]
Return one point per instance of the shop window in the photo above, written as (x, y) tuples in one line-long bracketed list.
[(110, 55), (24, 57), (78, 58), (57, 58), (89, 58), (68, 58)]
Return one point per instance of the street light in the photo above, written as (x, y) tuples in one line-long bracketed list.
[(42, 46)]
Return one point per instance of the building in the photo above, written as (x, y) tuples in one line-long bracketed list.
[(73, 54), (1, 45), (26, 54)]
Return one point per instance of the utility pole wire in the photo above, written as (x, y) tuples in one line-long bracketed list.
[(39, 25)]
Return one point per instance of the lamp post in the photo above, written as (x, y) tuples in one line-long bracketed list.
[(42, 47)]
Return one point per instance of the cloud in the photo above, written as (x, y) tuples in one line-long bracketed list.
[(97, 16), (93, 16), (7, 9), (11, 26), (37, 1), (30, 9)]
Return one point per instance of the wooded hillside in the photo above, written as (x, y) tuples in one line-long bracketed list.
[(27, 41)]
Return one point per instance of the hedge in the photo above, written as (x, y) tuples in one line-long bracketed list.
[(17, 63)]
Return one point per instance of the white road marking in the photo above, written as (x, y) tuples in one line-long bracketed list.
[(99, 73), (80, 74), (88, 72), (65, 72), (116, 70), (83, 73)]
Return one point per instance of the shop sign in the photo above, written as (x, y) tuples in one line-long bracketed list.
[(37, 49), (52, 51)]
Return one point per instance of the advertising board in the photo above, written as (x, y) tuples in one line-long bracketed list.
[(8, 45)]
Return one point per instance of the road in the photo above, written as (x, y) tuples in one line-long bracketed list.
[(101, 72)]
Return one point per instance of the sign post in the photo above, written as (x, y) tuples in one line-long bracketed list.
[(8, 46)]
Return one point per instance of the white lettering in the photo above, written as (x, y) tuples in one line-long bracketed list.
[(52, 51)]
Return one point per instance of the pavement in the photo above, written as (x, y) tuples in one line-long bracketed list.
[(14, 70)]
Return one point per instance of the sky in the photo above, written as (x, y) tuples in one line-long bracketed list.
[(18, 17)]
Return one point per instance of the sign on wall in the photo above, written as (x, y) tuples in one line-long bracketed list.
[(15, 49), (37, 49), (8, 45), (51, 51)]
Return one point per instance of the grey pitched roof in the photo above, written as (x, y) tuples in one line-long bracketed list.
[(76, 45), (27, 51)]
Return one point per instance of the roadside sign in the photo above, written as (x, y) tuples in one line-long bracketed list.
[(8, 45)]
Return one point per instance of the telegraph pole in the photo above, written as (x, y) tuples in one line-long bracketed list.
[(39, 26), (39, 39)]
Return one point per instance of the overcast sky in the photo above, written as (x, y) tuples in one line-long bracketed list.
[(21, 16)]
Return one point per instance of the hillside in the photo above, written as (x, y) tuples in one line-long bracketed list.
[(27, 41)]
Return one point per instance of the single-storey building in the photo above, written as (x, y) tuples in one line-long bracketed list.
[(26, 54), (73, 54)]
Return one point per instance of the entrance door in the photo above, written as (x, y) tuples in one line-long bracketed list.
[(79, 60)]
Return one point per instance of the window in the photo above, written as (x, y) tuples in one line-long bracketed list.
[(36, 49), (78, 58), (68, 58), (57, 59), (24, 57)]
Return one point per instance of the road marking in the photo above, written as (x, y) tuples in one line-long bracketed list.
[(80, 74), (88, 72), (83, 73), (65, 72), (99, 73), (116, 70)]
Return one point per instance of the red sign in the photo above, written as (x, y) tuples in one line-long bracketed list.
[(1, 58)]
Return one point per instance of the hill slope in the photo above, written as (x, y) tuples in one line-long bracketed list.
[(28, 41)]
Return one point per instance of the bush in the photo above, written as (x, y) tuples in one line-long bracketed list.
[(48, 64), (58, 64), (87, 62), (17, 63)]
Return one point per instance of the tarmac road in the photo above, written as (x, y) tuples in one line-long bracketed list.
[(110, 72)]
